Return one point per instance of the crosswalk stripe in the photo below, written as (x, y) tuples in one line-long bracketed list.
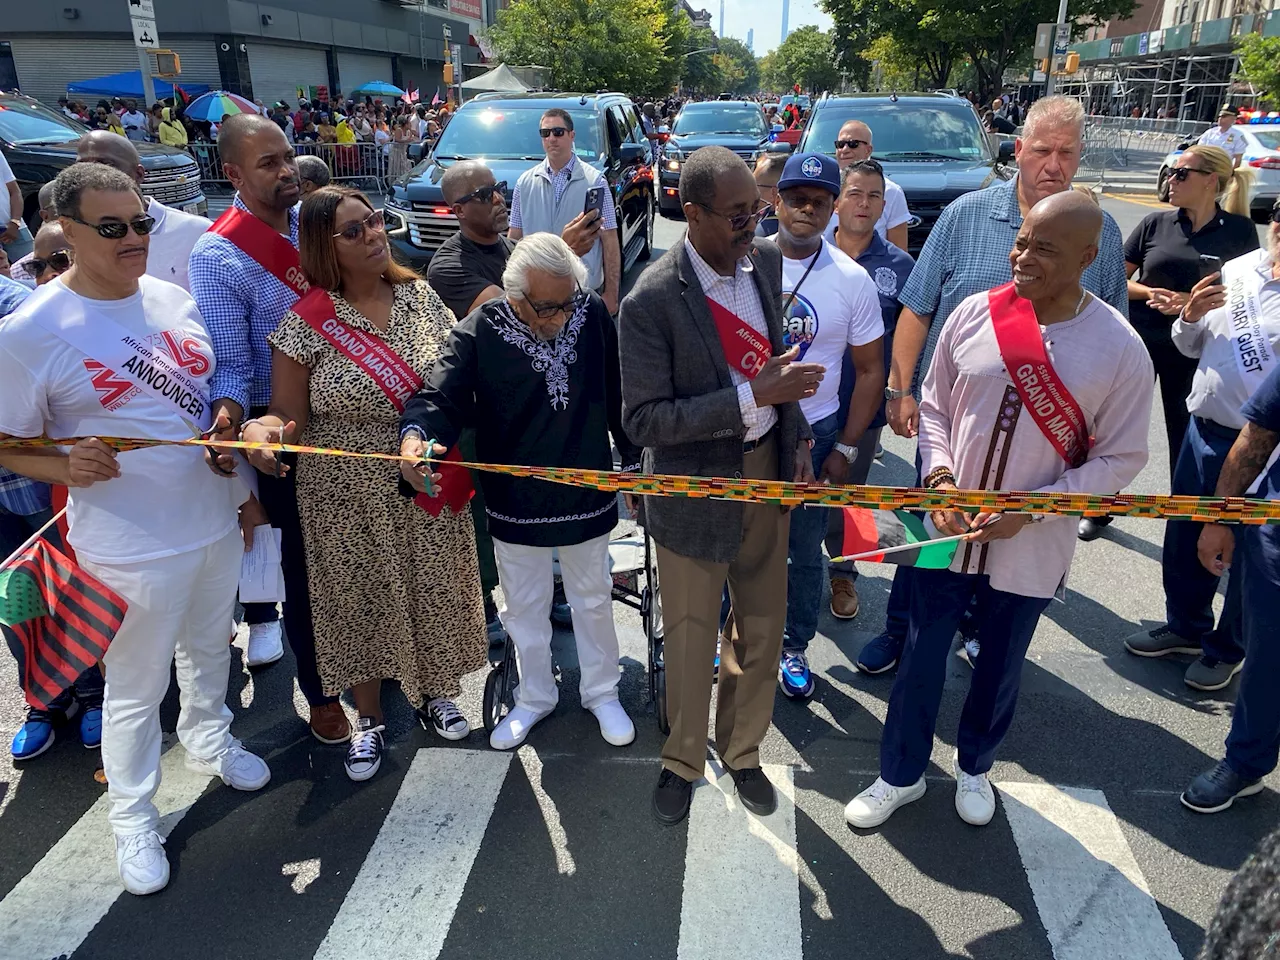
[(741, 866), (418, 865), (55, 906), (1091, 894)]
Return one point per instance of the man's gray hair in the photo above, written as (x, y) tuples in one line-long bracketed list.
[(540, 251), (72, 182), (313, 169), (1053, 111)]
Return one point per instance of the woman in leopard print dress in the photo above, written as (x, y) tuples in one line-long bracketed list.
[(395, 591)]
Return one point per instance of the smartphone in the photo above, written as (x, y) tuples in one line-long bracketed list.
[(1209, 265), (595, 201)]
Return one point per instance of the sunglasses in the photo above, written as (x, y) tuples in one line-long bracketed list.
[(851, 144), (116, 230), (485, 194), (354, 231), (556, 132), (1275, 215), (60, 261), (1181, 173), (546, 311), (742, 220)]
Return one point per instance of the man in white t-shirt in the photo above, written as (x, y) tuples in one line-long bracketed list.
[(853, 143), (105, 351), (14, 235), (830, 305), (175, 232), (134, 121), (1225, 135)]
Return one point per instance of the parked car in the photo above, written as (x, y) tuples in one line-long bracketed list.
[(931, 145), (502, 130), (736, 124), (1262, 155), (39, 143)]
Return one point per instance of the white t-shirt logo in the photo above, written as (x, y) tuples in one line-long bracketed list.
[(800, 325)]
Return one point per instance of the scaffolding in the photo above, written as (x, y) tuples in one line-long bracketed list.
[(1186, 85)]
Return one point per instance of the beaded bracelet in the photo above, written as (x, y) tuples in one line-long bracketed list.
[(939, 476)]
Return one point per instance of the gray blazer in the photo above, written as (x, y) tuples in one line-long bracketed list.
[(679, 403)]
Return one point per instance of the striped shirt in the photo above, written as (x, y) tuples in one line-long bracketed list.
[(241, 303), (738, 295), (21, 495)]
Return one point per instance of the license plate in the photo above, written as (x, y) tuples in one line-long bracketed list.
[(191, 208)]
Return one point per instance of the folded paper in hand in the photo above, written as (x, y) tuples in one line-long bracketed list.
[(261, 576)]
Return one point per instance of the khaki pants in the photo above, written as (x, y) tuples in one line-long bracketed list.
[(691, 594)]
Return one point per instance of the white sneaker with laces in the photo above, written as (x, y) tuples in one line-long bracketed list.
[(447, 719), (615, 726), (141, 861), (266, 644), (236, 766), (515, 726), (975, 798), (874, 805)]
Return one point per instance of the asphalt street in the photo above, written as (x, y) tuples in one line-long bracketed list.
[(455, 851)]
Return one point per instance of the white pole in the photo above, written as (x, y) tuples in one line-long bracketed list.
[(34, 537), (148, 88), (1048, 74)]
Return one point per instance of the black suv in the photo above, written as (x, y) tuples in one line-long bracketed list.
[(502, 130), (39, 143), (736, 124), (931, 145)]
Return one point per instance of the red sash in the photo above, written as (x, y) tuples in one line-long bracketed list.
[(1043, 394), (397, 380), (275, 253), (744, 349)]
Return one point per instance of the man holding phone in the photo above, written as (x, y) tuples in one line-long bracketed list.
[(563, 190)]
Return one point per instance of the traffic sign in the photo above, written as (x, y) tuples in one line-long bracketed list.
[(1062, 40), (448, 32), (1044, 41), (145, 33), (142, 9)]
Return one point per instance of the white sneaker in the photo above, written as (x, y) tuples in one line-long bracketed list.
[(615, 726), (236, 766), (515, 726), (266, 644), (874, 805), (141, 861), (975, 799)]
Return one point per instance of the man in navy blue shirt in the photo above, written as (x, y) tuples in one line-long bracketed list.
[(1254, 742), (858, 208)]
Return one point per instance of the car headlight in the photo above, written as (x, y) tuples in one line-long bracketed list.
[(673, 165)]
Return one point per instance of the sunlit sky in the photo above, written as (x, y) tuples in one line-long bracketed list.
[(764, 16)]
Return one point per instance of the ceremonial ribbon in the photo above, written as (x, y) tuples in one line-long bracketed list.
[(1160, 507)]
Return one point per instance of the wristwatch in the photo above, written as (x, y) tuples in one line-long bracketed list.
[(892, 394), (849, 453)]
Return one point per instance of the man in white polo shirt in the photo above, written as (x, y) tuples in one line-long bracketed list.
[(1225, 135), (853, 143)]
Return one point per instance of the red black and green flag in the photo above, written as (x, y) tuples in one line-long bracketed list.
[(63, 618), (882, 530)]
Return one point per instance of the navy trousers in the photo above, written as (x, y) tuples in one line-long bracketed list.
[(899, 608), (939, 598), (1254, 741), (1188, 586)]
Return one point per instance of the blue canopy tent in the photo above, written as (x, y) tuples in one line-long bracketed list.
[(129, 85)]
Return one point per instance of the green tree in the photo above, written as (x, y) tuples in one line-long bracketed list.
[(1260, 64), (700, 72), (807, 57), (740, 67)]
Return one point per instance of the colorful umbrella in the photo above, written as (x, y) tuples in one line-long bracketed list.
[(380, 88), (216, 104)]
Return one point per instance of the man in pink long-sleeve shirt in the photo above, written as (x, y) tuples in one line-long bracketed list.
[(977, 431)]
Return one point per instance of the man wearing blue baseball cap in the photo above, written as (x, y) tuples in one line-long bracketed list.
[(829, 306)]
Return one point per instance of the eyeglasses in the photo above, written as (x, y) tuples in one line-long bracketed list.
[(117, 230), (60, 260), (1181, 173), (1275, 215), (556, 132), (742, 220), (484, 194), (546, 311), (851, 144), (354, 231)]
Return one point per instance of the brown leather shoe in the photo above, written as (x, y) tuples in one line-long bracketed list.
[(329, 723), (844, 598)]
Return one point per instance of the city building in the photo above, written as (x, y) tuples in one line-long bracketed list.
[(265, 51), (786, 15), (701, 19), (751, 40)]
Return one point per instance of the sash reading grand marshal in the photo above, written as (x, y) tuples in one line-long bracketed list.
[(1043, 393), (745, 350), (275, 253), (375, 358)]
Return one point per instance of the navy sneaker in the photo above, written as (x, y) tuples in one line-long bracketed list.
[(794, 677), (36, 734), (715, 667), (1216, 789), (91, 726), (880, 655)]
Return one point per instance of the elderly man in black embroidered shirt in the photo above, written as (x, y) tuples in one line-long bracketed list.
[(535, 373)]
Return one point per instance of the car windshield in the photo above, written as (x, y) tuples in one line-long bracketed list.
[(900, 132), (507, 131), (724, 118), (1268, 138), (22, 121)]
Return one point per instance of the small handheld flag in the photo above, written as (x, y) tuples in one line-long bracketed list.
[(874, 534)]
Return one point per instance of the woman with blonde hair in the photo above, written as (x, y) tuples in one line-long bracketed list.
[(395, 583)]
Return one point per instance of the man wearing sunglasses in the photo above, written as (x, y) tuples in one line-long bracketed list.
[(553, 195), (853, 144), (52, 256)]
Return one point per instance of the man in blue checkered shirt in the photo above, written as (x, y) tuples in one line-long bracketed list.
[(968, 252)]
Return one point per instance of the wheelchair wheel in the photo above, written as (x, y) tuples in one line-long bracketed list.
[(494, 695)]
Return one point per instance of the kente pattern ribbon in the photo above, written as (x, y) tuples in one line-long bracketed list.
[(1153, 506)]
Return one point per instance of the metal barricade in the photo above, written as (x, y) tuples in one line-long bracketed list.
[(368, 166)]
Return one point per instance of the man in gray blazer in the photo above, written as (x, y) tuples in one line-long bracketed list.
[(708, 392)]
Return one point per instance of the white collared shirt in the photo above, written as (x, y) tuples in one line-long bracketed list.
[(738, 295), (1232, 141)]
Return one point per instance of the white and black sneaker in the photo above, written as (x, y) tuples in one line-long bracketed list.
[(364, 755), (446, 718)]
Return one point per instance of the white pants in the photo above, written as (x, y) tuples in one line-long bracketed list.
[(180, 609), (527, 581)]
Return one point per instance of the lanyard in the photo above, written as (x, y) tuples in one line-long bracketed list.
[(791, 297)]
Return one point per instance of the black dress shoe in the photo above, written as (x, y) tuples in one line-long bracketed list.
[(755, 791), (1215, 790), (1091, 527), (671, 798)]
